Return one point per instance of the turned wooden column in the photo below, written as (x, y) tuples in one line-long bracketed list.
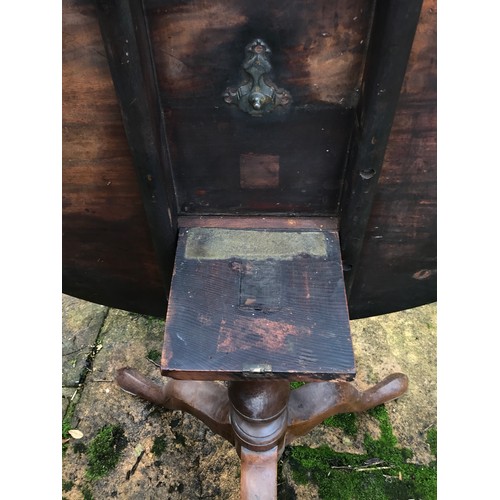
[(259, 417)]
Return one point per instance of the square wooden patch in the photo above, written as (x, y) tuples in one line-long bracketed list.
[(259, 171)]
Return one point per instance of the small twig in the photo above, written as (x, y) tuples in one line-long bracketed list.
[(361, 469), (428, 427), (74, 352), (154, 362), (369, 469), (134, 468), (387, 476)]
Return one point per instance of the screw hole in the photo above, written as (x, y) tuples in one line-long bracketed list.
[(367, 173)]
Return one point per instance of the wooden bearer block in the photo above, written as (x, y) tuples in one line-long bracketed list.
[(247, 303)]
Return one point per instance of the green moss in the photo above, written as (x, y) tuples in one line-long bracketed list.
[(315, 465), (285, 489), (159, 445), (154, 355), (346, 421), (87, 493), (67, 423), (66, 426), (385, 447), (179, 438), (155, 322), (67, 485), (104, 451), (79, 448), (296, 385), (432, 440), (382, 473)]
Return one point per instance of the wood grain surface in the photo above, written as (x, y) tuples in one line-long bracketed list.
[(245, 316), (108, 254)]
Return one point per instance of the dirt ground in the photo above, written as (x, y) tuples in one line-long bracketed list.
[(193, 462)]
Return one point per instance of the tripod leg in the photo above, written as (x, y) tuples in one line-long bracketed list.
[(207, 401), (310, 404)]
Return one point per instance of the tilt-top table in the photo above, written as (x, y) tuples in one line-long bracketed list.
[(258, 173)]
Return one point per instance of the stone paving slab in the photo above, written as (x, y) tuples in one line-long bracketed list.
[(81, 323), (195, 463)]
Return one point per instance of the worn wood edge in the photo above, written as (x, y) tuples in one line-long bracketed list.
[(125, 34), (258, 222), (213, 375)]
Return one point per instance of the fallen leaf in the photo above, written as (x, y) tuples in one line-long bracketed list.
[(138, 450), (75, 434)]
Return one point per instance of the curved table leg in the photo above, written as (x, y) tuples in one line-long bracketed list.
[(207, 401), (309, 405)]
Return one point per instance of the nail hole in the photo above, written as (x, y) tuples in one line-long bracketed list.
[(367, 173)]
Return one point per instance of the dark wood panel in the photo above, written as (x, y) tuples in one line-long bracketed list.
[(257, 303), (108, 273), (309, 148), (318, 47), (317, 55), (107, 254), (398, 263)]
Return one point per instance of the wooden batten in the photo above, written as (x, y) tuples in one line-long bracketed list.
[(126, 39)]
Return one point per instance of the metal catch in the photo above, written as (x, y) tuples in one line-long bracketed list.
[(257, 95)]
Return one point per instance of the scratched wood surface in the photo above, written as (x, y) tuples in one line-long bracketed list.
[(231, 317), (398, 267)]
